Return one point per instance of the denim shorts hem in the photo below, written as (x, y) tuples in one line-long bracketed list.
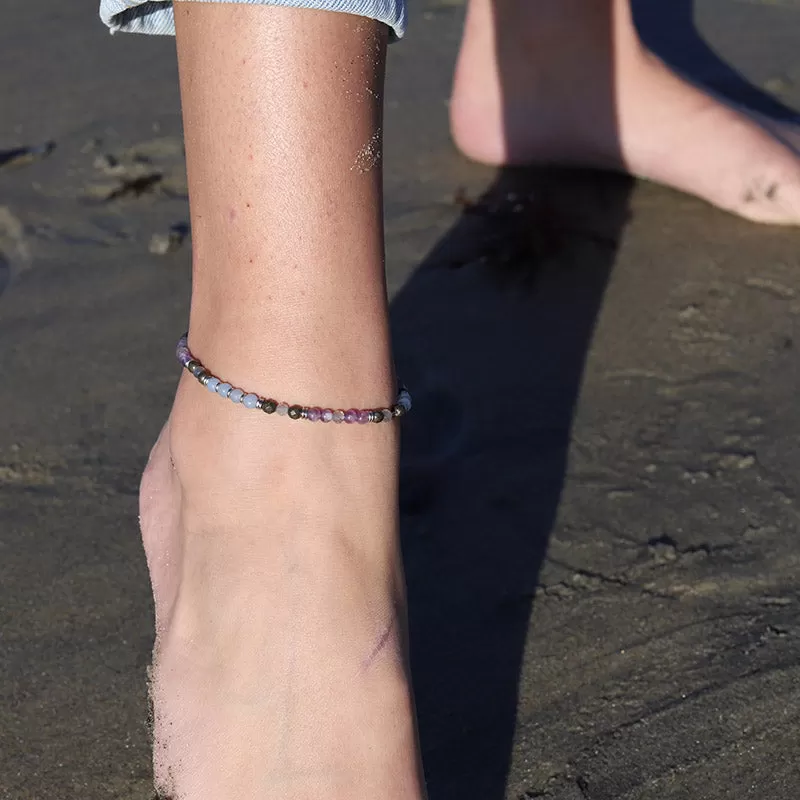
[(155, 16)]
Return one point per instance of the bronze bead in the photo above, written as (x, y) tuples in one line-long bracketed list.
[(295, 412), (268, 406)]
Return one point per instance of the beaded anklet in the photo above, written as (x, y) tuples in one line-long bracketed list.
[(313, 414)]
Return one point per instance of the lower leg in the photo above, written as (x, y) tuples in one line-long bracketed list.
[(280, 667), (569, 82)]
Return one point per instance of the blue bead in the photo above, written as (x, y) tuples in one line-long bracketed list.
[(236, 396), (224, 389), (250, 400), (212, 383)]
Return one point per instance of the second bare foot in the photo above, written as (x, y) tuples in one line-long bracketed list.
[(541, 83)]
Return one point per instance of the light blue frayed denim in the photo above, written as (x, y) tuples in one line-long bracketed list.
[(155, 16)]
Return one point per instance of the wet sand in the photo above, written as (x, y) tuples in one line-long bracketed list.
[(602, 560)]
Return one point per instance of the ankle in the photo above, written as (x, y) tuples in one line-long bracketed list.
[(231, 461)]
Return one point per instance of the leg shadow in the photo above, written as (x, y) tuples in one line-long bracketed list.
[(492, 332)]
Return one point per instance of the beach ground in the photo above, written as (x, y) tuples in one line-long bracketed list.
[(603, 563)]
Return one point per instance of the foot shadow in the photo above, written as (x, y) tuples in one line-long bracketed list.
[(492, 334)]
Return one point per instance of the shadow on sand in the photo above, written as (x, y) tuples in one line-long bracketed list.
[(492, 332)]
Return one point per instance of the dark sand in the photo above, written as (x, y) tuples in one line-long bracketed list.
[(602, 553)]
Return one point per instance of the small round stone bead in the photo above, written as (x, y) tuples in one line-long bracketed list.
[(327, 414), (250, 400), (295, 412), (363, 417), (236, 396), (338, 416), (314, 414), (351, 416), (212, 383), (398, 410), (376, 416), (196, 368), (387, 415), (224, 389), (282, 409), (268, 406)]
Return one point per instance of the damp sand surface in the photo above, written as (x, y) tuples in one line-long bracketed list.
[(601, 535)]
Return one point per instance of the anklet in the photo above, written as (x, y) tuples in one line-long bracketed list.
[(313, 414)]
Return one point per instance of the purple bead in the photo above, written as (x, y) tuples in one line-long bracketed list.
[(351, 416), (313, 414), (363, 417), (327, 414), (182, 350)]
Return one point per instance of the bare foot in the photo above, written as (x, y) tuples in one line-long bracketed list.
[(538, 82), (280, 663)]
